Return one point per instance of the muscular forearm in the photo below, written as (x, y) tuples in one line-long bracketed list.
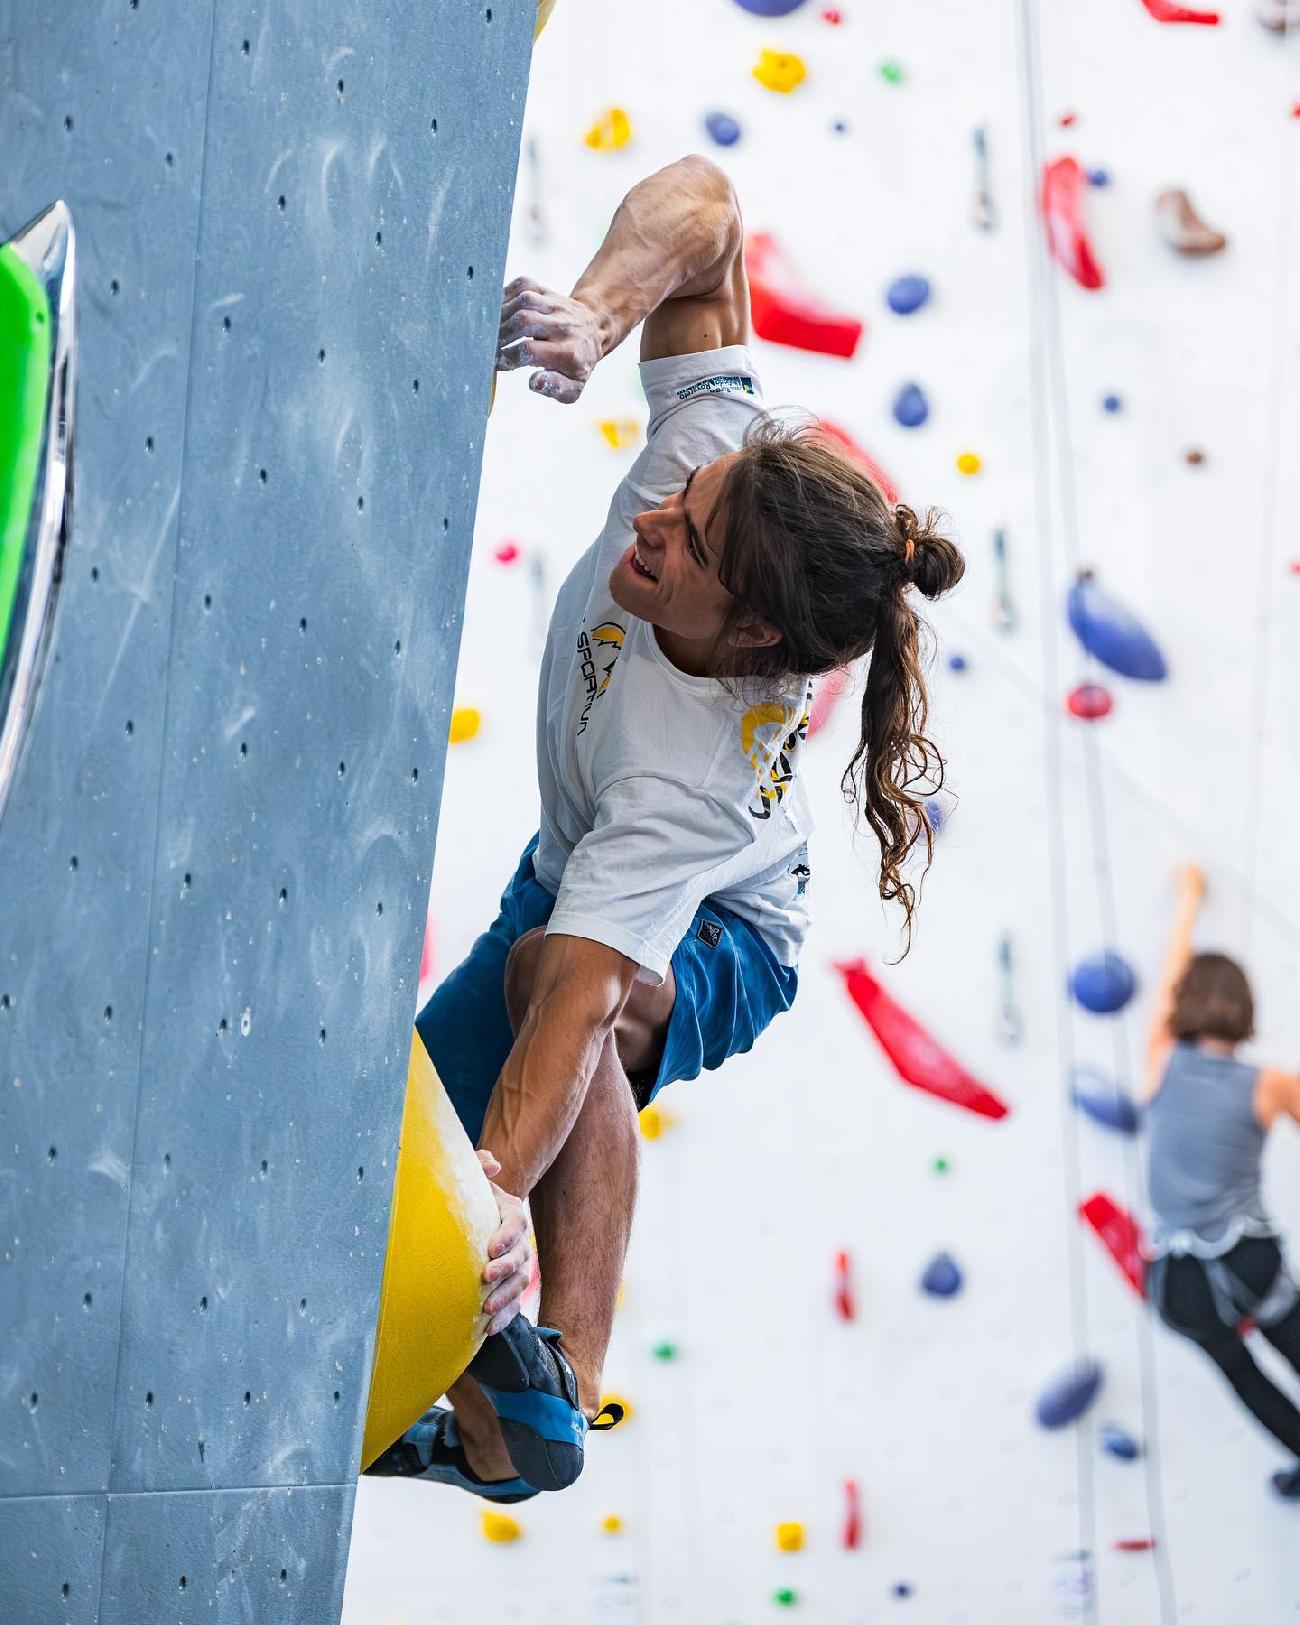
[(544, 1083), (673, 236)]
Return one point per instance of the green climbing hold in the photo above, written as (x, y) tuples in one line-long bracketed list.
[(665, 1351), (785, 1597), (941, 1165), (892, 72)]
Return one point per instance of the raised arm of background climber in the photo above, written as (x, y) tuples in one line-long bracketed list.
[(653, 926)]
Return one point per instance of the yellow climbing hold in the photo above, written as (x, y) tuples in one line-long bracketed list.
[(620, 1410), (780, 71), (612, 1524), (789, 1537), (619, 433), (430, 1304), (612, 130), (544, 10), (465, 723), (651, 1122), (968, 463), (500, 1528)]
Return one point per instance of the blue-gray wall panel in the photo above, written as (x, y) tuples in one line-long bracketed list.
[(51, 1550), (206, 1020), (76, 843), (266, 1557), (304, 762)]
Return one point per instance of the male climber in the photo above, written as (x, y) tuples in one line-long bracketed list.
[(653, 925)]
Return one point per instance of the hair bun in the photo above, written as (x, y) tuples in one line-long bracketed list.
[(935, 563)]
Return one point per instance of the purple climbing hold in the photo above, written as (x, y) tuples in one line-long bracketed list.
[(907, 293), (943, 1277), (1069, 1396), (769, 8), (1111, 633), (1104, 1101), (723, 129), (1117, 1442), (910, 406), (1103, 983)]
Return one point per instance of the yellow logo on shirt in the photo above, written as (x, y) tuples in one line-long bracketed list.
[(770, 736), (609, 636)]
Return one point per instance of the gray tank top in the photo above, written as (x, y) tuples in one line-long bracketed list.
[(1204, 1149)]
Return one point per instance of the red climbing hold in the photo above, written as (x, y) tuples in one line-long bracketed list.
[(1064, 186), (506, 553), (833, 15), (1139, 1543), (845, 1302), (916, 1057), (1119, 1234), (825, 693), (843, 442), (1166, 11), (851, 1535), (785, 313), (1067, 119), (1089, 702)]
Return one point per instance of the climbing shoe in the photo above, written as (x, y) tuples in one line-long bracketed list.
[(431, 1449)]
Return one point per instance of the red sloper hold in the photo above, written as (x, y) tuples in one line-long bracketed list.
[(785, 313), (916, 1057), (1166, 11), (1119, 1234), (1064, 186), (844, 442)]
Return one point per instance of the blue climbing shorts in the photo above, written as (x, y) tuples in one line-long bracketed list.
[(729, 986)]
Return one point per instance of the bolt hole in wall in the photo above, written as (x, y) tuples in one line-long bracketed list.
[(962, 319)]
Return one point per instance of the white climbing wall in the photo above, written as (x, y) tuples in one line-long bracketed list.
[(1063, 836)]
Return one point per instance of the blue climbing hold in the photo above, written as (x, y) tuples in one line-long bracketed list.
[(722, 128), (1104, 1101), (1103, 983), (936, 814), (911, 407), (1098, 177), (1112, 403), (1069, 1396), (769, 8), (1111, 634), (957, 662), (907, 293), (840, 127), (900, 1589), (943, 1277), (1115, 1441)]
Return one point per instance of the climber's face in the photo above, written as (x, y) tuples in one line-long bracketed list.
[(669, 575)]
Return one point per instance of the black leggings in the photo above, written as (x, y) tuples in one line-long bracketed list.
[(1186, 1303)]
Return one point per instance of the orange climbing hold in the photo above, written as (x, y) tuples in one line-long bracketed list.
[(917, 1058), (1119, 1234), (1061, 198), (785, 313)]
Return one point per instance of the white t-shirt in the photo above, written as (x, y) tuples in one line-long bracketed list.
[(660, 789)]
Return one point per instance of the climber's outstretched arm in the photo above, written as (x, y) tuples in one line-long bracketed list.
[(675, 242)]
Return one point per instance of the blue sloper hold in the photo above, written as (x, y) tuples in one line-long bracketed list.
[(943, 1277), (723, 128), (1103, 983), (910, 406), (769, 8), (1111, 633), (1115, 1441), (1065, 1400), (1104, 1101), (907, 293)]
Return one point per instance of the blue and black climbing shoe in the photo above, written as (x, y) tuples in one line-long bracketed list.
[(531, 1386), (431, 1449)]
